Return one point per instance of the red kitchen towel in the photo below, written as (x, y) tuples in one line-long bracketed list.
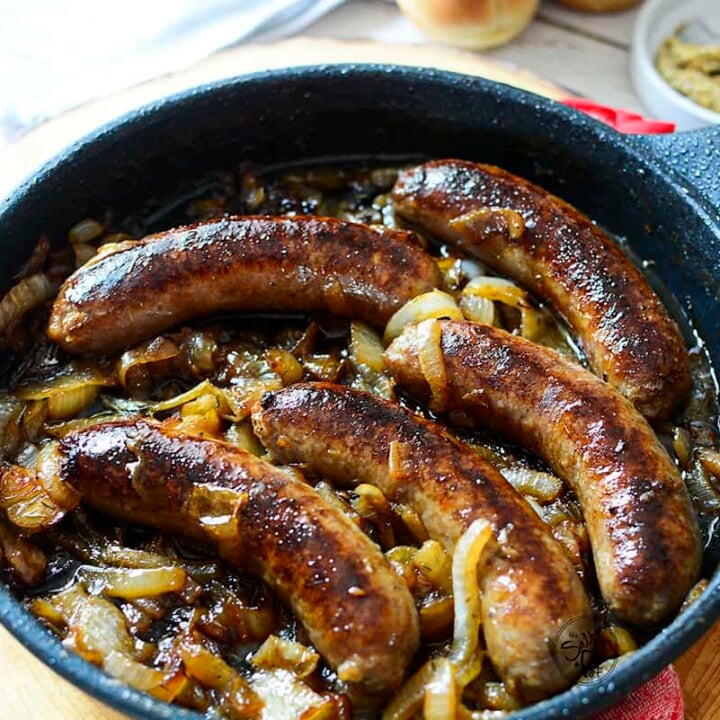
[(658, 699), (623, 121)]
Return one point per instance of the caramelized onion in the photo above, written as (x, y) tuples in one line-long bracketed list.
[(277, 652), (432, 364), (477, 308), (27, 502), (158, 350), (539, 485), (215, 673), (441, 693), (430, 305), (464, 650), (130, 584), (69, 389), (508, 293), (26, 295), (409, 699), (366, 347)]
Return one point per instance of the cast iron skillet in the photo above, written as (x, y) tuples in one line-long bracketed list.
[(662, 194)]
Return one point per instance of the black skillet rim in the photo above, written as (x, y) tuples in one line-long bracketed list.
[(579, 701)]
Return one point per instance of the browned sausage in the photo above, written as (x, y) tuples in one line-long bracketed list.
[(283, 264), (642, 529), (563, 258), (356, 610), (530, 589)]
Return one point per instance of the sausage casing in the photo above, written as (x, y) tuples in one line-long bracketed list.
[(563, 258), (640, 522), (356, 610), (530, 589), (240, 264)]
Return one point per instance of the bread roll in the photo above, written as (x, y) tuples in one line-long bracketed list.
[(473, 24), (599, 5)]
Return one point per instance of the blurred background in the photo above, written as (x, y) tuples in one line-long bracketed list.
[(67, 67)]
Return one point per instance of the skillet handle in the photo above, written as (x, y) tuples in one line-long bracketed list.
[(694, 154)]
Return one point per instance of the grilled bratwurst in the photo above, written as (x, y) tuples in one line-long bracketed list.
[(241, 264), (557, 253), (358, 613), (640, 522), (530, 589)]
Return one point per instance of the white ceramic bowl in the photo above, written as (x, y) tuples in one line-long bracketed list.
[(657, 20)]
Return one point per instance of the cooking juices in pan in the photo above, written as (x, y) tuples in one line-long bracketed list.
[(174, 612)]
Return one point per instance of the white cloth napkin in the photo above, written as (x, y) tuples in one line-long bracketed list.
[(56, 54)]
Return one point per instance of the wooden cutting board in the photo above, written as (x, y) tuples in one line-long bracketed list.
[(28, 689)]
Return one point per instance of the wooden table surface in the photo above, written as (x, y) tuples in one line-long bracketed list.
[(561, 45)]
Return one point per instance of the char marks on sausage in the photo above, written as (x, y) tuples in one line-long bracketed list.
[(642, 529), (300, 264), (530, 589), (558, 254)]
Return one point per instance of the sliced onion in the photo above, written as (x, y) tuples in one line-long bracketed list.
[(26, 295), (539, 485), (507, 292), (433, 562), (72, 377), (203, 388), (244, 393), (136, 674), (702, 489), (456, 271), (409, 699), (25, 501), (200, 349), (615, 640), (436, 618), (277, 652), (411, 520), (158, 350), (327, 492), (47, 611), (366, 347), (68, 404), (324, 366), (236, 618), (285, 365), (430, 305), (130, 584), (369, 503), (85, 231), (477, 309), (241, 435), (710, 460), (48, 468), (286, 698), (96, 627), (33, 418), (441, 694), (682, 445), (463, 652), (215, 673), (432, 364)]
